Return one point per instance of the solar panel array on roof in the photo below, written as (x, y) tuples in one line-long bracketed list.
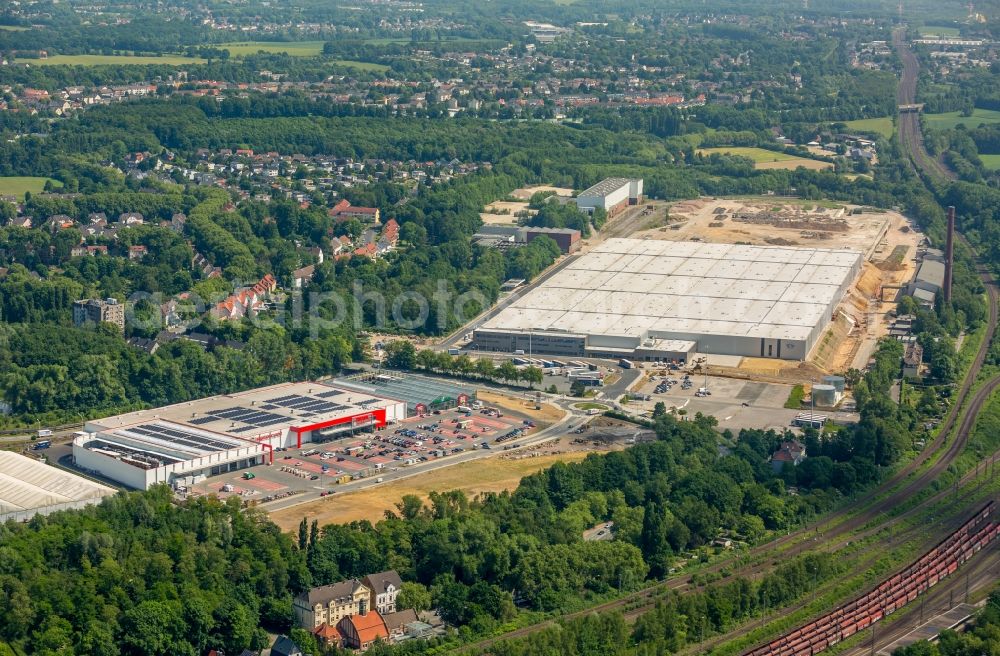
[(330, 394), (307, 404), (252, 416), (180, 437)]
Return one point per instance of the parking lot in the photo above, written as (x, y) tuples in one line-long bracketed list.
[(320, 468), (735, 403)]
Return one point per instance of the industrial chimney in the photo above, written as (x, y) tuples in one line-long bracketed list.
[(949, 253)]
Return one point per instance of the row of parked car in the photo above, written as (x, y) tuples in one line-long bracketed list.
[(667, 384)]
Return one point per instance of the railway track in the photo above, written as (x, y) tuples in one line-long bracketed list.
[(978, 574), (892, 594), (948, 521)]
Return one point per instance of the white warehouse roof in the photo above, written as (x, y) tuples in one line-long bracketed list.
[(29, 485), (677, 290)]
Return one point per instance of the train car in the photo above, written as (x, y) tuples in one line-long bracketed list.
[(876, 614), (820, 646), (864, 622), (911, 595), (985, 512), (849, 630)]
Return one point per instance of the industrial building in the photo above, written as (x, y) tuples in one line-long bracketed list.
[(662, 300), (420, 393), (611, 195), (499, 236), (29, 487), (183, 443)]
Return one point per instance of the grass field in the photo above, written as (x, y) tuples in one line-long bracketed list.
[(591, 406), (14, 28), (769, 159), (939, 31), (485, 475), (295, 49), (110, 60), (882, 126), (16, 186), (952, 119), (991, 162)]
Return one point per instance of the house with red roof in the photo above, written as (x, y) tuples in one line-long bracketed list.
[(328, 636), (344, 210), (361, 631), (790, 451)]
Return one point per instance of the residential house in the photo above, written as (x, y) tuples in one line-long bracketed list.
[(791, 451), (131, 218), (177, 222), (361, 631), (137, 252), (246, 301), (396, 623), (328, 636), (344, 210), (59, 222), (284, 646), (913, 357), (328, 604), (341, 245), (302, 277), (385, 588), (368, 250), (317, 253)]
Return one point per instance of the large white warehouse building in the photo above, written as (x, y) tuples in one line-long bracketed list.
[(610, 195), (662, 300), (183, 443)]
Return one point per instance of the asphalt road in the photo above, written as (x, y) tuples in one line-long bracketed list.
[(456, 337)]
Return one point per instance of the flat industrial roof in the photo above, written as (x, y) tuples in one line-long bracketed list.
[(27, 484), (606, 186), (219, 422), (633, 287)]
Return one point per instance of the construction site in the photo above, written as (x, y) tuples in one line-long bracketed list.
[(893, 249)]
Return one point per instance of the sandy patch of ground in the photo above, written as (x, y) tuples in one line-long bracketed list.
[(504, 212), (527, 192), (493, 474), (805, 223), (791, 165), (548, 414)]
